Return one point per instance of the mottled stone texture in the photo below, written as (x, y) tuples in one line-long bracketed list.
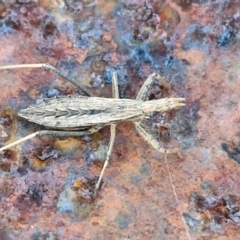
[(46, 183)]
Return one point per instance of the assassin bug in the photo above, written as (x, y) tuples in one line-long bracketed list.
[(84, 115)]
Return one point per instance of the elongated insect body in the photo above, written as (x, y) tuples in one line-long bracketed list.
[(79, 112), (73, 112)]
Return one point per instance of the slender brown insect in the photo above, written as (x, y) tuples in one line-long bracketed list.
[(81, 115)]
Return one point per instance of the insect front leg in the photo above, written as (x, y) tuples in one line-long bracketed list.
[(52, 69), (143, 92), (153, 141)]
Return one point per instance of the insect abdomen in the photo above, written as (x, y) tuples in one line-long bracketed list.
[(76, 111)]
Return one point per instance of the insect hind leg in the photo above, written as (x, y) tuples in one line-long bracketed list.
[(53, 133), (50, 68)]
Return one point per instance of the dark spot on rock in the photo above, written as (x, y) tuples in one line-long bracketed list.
[(2, 9), (82, 41), (165, 134), (5, 167), (74, 6), (224, 147), (5, 234), (39, 158), (234, 154), (144, 171), (233, 205), (46, 153), (7, 118), (184, 4), (193, 111), (208, 210), (45, 51), (22, 170), (10, 155), (196, 37), (13, 23), (36, 193), (169, 61), (143, 13), (23, 202), (52, 92), (49, 29), (141, 54), (67, 67), (192, 222), (123, 220), (84, 188), (226, 37), (99, 66), (43, 236)]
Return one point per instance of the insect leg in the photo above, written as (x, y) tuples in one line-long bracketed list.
[(110, 146), (52, 69), (153, 141), (53, 133), (115, 94), (143, 93)]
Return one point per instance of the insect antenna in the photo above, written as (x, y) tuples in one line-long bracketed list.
[(175, 195)]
